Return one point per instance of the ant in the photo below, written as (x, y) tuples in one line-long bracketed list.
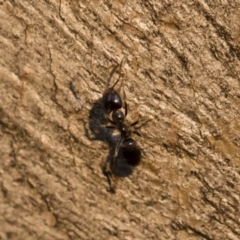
[(127, 148), (112, 103)]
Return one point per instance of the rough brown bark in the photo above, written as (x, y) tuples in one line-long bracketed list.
[(181, 70)]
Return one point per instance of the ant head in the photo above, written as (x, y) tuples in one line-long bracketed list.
[(111, 100)]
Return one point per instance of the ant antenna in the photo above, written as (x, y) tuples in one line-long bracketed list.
[(111, 74), (124, 93), (115, 83), (113, 71)]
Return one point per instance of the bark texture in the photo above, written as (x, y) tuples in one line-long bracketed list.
[(181, 69)]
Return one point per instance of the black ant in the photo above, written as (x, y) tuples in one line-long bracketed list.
[(127, 148), (112, 103)]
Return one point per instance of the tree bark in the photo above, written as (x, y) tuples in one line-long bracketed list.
[(180, 72)]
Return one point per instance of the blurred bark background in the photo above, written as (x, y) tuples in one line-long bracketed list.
[(181, 70)]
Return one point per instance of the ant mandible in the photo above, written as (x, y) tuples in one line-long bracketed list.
[(112, 103)]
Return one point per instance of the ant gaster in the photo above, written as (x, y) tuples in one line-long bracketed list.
[(112, 103)]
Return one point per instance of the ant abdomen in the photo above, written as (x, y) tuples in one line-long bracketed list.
[(131, 152), (111, 100)]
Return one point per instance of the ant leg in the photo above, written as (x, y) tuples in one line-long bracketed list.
[(134, 123), (110, 126), (110, 167), (115, 167), (144, 123), (117, 148), (126, 108), (111, 121), (136, 132), (137, 127), (108, 173)]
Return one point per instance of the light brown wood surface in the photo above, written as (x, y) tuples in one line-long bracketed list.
[(181, 70)]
